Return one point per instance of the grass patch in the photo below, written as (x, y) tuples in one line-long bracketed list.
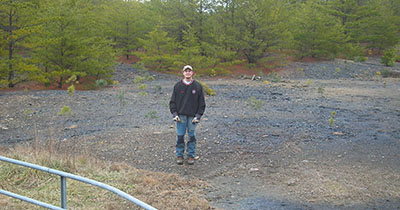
[(163, 191)]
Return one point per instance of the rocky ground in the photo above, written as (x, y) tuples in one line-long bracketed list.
[(320, 135)]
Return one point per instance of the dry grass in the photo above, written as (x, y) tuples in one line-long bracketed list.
[(163, 191)]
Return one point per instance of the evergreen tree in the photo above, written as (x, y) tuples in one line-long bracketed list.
[(71, 43), (316, 33), (17, 23), (261, 28), (160, 50)]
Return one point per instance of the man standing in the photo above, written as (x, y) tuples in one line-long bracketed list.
[(187, 105)]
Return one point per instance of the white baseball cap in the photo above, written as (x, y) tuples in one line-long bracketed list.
[(187, 67)]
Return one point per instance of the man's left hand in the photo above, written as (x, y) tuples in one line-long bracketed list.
[(195, 120)]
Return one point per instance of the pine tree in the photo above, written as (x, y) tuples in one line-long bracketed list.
[(316, 33), (17, 23), (160, 50), (71, 43)]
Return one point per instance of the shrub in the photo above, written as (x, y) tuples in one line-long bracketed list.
[(207, 89), (138, 79), (360, 59), (71, 90), (386, 73), (142, 86), (151, 115), (101, 83), (65, 111), (273, 77), (150, 78), (389, 57), (255, 103)]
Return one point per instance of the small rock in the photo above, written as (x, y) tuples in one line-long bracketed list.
[(254, 169), (292, 182)]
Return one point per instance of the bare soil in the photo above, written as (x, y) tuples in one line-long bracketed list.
[(260, 146)]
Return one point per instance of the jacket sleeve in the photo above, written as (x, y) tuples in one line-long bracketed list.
[(202, 104), (172, 103)]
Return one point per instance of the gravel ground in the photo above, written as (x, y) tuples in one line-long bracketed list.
[(261, 146)]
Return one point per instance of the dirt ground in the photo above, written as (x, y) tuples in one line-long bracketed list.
[(291, 144)]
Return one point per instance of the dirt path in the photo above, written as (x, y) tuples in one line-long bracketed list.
[(277, 150)]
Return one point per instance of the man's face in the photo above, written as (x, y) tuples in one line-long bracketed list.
[(188, 73)]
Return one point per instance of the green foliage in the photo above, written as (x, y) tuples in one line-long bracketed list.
[(360, 59), (389, 57), (160, 50), (255, 103), (151, 115), (273, 77), (65, 111), (142, 86), (138, 79), (71, 90), (332, 119), (321, 90), (386, 73), (142, 93), (18, 23), (159, 88), (121, 99), (207, 89), (101, 83), (71, 42), (150, 78)]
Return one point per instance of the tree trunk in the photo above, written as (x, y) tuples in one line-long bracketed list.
[(11, 74)]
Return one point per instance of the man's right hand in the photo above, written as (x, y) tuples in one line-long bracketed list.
[(177, 119)]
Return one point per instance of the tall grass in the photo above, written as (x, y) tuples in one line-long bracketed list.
[(163, 191)]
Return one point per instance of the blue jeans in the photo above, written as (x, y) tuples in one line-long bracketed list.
[(181, 127)]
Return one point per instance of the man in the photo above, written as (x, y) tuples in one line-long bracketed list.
[(187, 105)]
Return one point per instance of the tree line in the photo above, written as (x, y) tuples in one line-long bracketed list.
[(51, 40)]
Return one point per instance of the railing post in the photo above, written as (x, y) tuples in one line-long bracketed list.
[(63, 192)]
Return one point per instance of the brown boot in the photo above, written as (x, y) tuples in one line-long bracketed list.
[(191, 161), (179, 160)]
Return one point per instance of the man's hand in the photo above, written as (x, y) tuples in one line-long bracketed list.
[(176, 118), (195, 120)]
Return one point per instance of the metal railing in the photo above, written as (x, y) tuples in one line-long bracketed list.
[(64, 177)]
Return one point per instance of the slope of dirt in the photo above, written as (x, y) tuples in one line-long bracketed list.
[(261, 146)]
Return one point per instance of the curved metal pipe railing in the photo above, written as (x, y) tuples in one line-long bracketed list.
[(63, 180)]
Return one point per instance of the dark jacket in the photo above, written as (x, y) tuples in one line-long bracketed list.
[(187, 99)]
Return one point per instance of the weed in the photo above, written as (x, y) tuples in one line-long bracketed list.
[(378, 73), (332, 119), (150, 78), (159, 88), (101, 83), (360, 59), (121, 99), (321, 90), (301, 70), (308, 82), (65, 111), (71, 90), (255, 103), (324, 68), (138, 79), (207, 89), (151, 115), (274, 77), (142, 86), (115, 82), (142, 93), (337, 71), (386, 73), (266, 82)]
